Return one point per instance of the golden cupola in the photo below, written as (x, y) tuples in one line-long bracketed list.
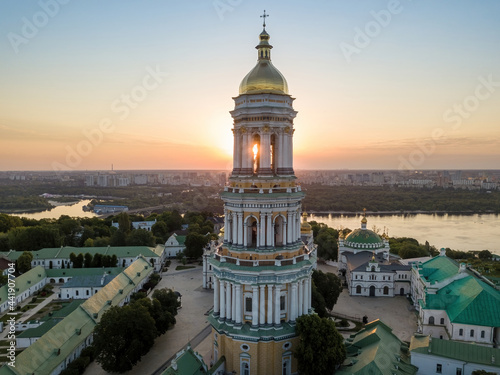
[(305, 227), (264, 78)]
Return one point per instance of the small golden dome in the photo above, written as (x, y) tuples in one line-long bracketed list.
[(363, 220), (305, 226), (264, 77)]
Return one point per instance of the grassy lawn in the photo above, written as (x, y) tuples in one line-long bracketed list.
[(53, 306), (7, 317)]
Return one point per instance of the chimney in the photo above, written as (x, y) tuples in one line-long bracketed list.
[(442, 252)]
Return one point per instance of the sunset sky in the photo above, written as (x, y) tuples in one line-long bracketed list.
[(149, 84)]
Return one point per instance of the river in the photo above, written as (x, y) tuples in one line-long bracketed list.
[(72, 209), (458, 232)]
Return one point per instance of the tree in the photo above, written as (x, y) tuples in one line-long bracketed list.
[(160, 229), (24, 262), (118, 238), (79, 260), (124, 222), (321, 348), (318, 302), (4, 242), (7, 222), (194, 245), (34, 238), (69, 227), (97, 261), (89, 242), (327, 242), (484, 255), (140, 237), (162, 317), (329, 286), (168, 300), (123, 336), (87, 263)]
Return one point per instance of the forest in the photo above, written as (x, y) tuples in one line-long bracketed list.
[(321, 198)]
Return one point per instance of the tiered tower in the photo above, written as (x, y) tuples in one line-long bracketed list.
[(262, 270)]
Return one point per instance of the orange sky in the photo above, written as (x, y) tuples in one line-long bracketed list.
[(422, 93)]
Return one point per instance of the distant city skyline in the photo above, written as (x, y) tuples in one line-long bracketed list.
[(378, 84)]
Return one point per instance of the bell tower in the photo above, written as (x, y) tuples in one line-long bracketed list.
[(262, 269)]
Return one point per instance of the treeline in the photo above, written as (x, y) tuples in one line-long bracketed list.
[(18, 195), (322, 198), (407, 247), (24, 234), (28, 203)]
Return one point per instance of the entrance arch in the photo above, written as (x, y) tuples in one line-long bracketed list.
[(372, 291)]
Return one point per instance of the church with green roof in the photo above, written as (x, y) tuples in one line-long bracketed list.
[(364, 259), (454, 303)]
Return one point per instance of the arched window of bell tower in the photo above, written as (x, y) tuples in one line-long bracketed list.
[(279, 225), (256, 152), (273, 153), (251, 228)]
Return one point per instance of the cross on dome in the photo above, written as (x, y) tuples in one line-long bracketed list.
[(264, 17)]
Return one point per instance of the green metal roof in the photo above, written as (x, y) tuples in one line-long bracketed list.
[(364, 236), (72, 272), (371, 351), (181, 239), (187, 363), (468, 301), (52, 348), (67, 309), (438, 268), (41, 330), (64, 252), (455, 350), (88, 281), (24, 282)]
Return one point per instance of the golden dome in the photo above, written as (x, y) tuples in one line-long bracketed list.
[(264, 77), (305, 226)]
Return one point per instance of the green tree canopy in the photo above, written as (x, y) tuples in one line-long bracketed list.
[(160, 229), (329, 286), (124, 222), (24, 262), (87, 260), (140, 237), (321, 348), (167, 299), (326, 239), (123, 336), (194, 245)]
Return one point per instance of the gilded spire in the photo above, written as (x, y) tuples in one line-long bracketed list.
[(264, 48)]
